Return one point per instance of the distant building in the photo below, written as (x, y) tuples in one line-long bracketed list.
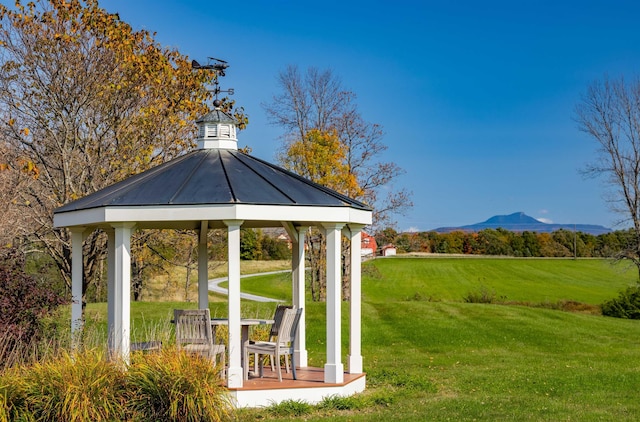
[(388, 250), (368, 246)]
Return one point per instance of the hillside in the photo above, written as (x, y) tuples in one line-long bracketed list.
[(519, 222)]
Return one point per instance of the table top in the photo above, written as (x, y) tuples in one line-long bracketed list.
[(243, 321)]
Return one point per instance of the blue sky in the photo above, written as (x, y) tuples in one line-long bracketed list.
[(476, 98)]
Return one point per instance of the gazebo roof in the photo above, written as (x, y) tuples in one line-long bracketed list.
[(213, 178)]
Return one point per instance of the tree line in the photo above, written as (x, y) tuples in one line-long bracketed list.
[(561, 243)]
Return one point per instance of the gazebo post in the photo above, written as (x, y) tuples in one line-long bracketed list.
[(120, 320), (333, 368), (203, 266), (355, 305), (111, 283), (297, 235), (235, 371), (76, 284)]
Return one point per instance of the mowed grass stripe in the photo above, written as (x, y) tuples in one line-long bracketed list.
[(535, 280)]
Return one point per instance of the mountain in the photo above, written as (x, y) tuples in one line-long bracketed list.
[(519, 222)]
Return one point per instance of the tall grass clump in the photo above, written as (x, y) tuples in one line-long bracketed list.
[(175, 386), (12, 396), (290, 409), (82, 387)]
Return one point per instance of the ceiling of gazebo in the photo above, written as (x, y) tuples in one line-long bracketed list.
[(213, 185)]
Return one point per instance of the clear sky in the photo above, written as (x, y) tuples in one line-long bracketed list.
[(476, 98)]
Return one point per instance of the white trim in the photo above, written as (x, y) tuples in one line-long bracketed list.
[(311, 395), (217, 144), (146, 215)]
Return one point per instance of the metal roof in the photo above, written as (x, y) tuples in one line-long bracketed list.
[(217, 116), (212, 177)]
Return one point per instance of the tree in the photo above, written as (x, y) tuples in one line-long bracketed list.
[(325, 136), (88, 101), (320, 157), (609, 113), (318, 101), (16, 175), (250, 244)]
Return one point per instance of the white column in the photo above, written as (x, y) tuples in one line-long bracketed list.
[(333, 368), (111, 285), (120, 338), (203, 267), (234, 371), (76, 284), (298, 290), (355, 306)]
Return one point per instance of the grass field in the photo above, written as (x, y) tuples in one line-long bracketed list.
[(430, 356)]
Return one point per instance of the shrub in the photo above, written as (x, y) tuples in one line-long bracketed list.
[(626, 305), (25, 303), (484, 295), (175, 386)]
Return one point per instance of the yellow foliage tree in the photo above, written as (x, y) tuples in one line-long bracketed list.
[(321, 158), (89, 101)]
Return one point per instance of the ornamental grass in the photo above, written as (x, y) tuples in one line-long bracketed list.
[(86, 386), (175, 386)]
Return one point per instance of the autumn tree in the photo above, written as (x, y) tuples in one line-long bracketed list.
[(88, 101), (609, 113), (320, 157), (316, 105), (318, 101), (16, 174)]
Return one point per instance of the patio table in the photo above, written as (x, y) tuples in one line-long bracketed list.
[(245, 323)]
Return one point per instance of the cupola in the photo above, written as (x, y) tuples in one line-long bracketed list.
[(217, 129)]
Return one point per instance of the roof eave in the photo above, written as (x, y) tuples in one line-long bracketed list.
[(171, 216)]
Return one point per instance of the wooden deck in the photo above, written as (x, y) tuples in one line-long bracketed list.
[(309, 387), (308, 377)]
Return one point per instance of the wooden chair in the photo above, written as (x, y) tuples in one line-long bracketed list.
[(194, 334), (273, 334), (282, 345)]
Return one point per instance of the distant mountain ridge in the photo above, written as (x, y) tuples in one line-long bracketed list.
[(520, 222)]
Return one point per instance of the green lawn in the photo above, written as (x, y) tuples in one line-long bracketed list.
[(438, 358), (450, 279), (533, 280)]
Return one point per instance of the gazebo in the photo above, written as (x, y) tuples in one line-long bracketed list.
[(217, 186)]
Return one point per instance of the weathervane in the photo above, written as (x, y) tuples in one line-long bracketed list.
[(218, 66)]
